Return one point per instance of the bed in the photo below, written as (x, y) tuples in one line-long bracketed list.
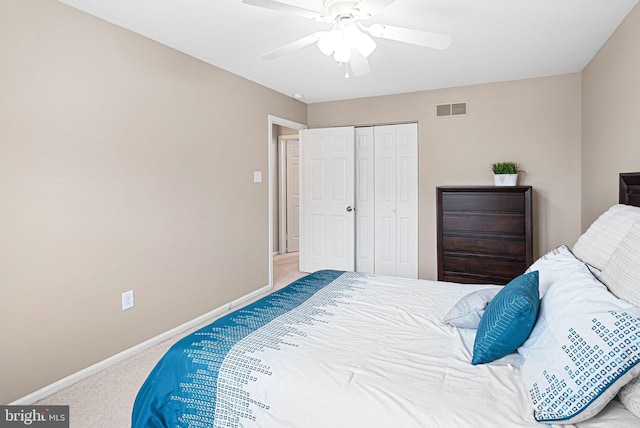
[(556, 346)]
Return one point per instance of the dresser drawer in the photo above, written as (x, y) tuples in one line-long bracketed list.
[(484, 244), (483, 201), (509, 223), (482, 268)]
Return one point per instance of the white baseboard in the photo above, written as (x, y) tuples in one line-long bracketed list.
[(91, 370)]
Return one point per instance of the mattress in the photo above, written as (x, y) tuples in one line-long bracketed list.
[(336, 349)]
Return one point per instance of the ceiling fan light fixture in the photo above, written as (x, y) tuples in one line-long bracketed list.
[(328, 42), (342, 53), (350, 33), (365, 44), (347, 36)]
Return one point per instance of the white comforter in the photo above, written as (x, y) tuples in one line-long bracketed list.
[(372, 352), (350, 350)]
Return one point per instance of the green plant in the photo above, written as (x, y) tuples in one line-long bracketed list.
[(505, 168)]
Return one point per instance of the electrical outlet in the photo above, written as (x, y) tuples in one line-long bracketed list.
[(127, 300)]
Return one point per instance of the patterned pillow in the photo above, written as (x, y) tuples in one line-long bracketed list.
[(553, 266), (583, 349), (595, 246), (508, 319), (468, 311)]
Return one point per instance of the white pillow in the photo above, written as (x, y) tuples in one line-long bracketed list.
[(468, 311), (553, 266), (629, 395), (596, 245), (584, 347), (621, 274)]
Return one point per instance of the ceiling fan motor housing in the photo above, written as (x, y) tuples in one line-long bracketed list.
[(339, 7)]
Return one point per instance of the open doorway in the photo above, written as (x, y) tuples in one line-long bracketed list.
[(283, 256), (289, 193)]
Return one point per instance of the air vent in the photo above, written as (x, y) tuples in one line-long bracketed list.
[(452, 109)]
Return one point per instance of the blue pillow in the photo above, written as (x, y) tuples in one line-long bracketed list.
[(508, 319)]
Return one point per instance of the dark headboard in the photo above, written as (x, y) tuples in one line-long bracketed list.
[(630, 188)]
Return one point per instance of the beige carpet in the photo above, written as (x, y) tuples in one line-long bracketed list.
[(105, 400), (285, 269)]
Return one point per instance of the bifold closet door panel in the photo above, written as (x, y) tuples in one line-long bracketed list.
[(327, 240), (365, 201), (407, 200), (396, 200), (385, 189)]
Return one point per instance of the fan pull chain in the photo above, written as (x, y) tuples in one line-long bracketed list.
[(346, 69)]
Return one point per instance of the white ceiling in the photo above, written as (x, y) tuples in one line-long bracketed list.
[(493, 40)]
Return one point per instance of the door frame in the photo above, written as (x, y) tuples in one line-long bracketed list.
[(272, 142), (282, 190)]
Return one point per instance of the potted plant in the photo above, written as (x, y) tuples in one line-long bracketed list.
[(505, 173)]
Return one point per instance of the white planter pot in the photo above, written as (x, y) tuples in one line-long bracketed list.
[(505, 179)]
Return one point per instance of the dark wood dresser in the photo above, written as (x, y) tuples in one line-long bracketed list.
[(485, 233)]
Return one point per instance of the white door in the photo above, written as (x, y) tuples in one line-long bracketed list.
[(327, 182), (396, 200), (385, 185), (407, 200), (293, 195), (365, 201)]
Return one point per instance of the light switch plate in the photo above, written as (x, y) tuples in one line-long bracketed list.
[(127, 300), (257, 176)]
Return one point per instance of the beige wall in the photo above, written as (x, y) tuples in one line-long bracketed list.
[(535, 122), (610, 124), (121, 167)]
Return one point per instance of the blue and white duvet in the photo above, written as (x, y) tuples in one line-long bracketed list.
[(335, 349)]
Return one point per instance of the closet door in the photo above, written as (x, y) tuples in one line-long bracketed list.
[(396, 200), (327, 239), (370, 223), (365, 201)]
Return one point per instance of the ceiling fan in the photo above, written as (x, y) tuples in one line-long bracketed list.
[(349, 40)]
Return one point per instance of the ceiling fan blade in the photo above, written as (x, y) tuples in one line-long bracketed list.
[(286, 8), (359, 64), (371, 7), (407, 35), (294, 46)]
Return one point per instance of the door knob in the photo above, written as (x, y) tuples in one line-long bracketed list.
[(349, 209)]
